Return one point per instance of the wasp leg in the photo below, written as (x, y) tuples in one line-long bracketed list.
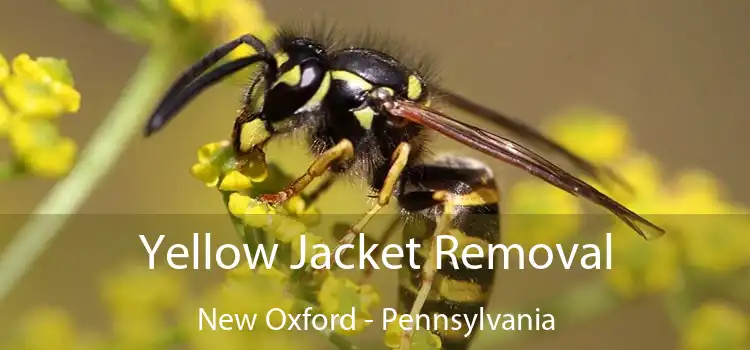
[(398, 163), (341, 152), (428, 271), (323, 187), (389, 232)]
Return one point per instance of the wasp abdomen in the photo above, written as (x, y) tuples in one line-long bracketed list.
[(465, 190)]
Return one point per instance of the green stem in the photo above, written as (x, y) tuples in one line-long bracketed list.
[(104, 149)]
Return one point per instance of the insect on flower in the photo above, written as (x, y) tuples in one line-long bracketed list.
[(366, 114)]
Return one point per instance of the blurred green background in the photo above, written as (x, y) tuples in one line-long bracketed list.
[(676, 71)]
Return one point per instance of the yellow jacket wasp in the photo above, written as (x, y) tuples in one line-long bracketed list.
[(366, 113)]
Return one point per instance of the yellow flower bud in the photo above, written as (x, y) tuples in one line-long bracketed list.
[(421, 339), (240, 17), (4, 69), (310, 217), (42, 87), (287, 229), (238, 204), (310, 241), (295, 205), (717, 326), (273, 274), (69, 98), (250, 211), (207, 151), (48, 329), (597, 136), (716, 244), (235, 181), (696, 192), (339, 295), (206, 173), (24, 66), (27, 135), (198, 10), (547, 215), (239, 274), (5, 117), (39, 146), (40, 99), (643, 267), (53, 161)]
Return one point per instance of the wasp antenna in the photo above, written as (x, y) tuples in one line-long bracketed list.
[(169, 108), (176, 97)]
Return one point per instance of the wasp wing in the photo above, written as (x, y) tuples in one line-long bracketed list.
[(517, 155), (527, 132)]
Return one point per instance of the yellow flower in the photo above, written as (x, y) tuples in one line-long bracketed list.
[(53, 161), (712, 232), (139, 301), (643, 173), (208, 168), (235, 181), (48, 329), (311, 240), (716, 243), (4, 69), (139, 331), (256, 214), (338, 296), (38, 144), (198, 10), (716, 326), (136, 291), (597, 136), (642, 267), (206, 173), (252, 212), (258, 293), (37, 91), (232, 17), (239, 17), (215, 161), (421, 339), (297, 207), (540, 214), (5, 117), (696, 192), (41, 88), (273, 274), (244, 293)]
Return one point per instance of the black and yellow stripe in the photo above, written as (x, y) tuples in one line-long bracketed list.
[(468, 191)]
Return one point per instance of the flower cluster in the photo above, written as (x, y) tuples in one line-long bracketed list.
[(706, 240), (240, 181), (36, 93)]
